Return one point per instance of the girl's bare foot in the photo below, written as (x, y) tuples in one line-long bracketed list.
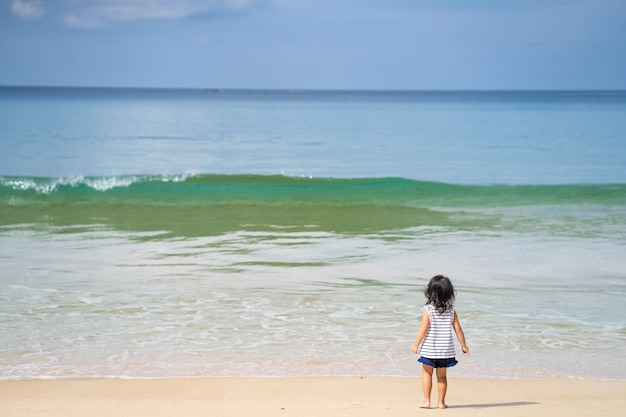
[(442, 406), (425, 404)]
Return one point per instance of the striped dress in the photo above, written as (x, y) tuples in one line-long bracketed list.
[(438, 343)]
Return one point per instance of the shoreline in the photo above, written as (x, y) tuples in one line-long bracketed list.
[(306, 396)]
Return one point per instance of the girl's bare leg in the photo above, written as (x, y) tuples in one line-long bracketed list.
[(427, 384), (442, 386)]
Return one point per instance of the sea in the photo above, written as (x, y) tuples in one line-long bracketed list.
[(158, 233)]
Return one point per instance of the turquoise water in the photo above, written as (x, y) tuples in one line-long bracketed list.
[(150, 233)]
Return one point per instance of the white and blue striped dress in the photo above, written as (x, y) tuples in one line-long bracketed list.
[(438, 343)]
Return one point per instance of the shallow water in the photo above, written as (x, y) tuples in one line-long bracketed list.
[(296, 303)]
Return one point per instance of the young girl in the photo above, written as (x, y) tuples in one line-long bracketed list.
[(437, 351)]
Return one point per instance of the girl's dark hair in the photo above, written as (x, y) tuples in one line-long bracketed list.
[(440, 293)]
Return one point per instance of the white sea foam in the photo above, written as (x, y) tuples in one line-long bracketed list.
[(104, 183)]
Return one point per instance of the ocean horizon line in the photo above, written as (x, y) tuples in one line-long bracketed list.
[(321, 90)]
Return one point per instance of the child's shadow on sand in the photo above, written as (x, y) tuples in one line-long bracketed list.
[(511, 404)]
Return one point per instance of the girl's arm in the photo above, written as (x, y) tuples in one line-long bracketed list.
[(459, 333), (422, 332)]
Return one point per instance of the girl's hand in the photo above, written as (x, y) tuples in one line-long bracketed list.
[(414, 348), (465, 349)]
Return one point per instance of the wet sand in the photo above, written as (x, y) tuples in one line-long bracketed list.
[(302, 397)]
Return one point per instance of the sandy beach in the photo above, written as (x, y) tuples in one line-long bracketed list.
[(350, 396)]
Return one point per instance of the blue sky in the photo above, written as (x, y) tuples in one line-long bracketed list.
[(318, 44)]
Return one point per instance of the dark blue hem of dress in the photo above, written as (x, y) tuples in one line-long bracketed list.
[(438, 363)]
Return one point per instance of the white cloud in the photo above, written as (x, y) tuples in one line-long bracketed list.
[(94, 13), (28, 10)]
